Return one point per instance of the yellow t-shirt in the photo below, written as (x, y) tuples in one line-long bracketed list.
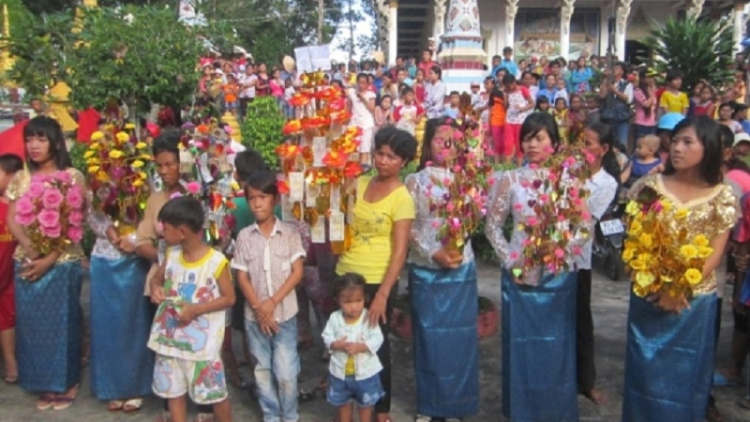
[(674, 103), (370, 252)]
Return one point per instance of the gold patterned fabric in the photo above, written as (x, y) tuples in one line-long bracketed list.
[(712, 215), (18, 185)]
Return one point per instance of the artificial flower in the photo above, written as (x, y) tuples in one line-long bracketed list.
[(97, 136)]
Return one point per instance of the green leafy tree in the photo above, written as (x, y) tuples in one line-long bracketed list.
[(40, 48), (262, 128), (270, 29), (137, 55), (701, 49)]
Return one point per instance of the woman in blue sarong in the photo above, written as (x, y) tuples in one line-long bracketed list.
[(121, 364), (539, 307), (49, 327), (670, 346), (443, 292)]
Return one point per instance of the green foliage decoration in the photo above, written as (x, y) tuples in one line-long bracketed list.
[(701, 49), (262, 128)]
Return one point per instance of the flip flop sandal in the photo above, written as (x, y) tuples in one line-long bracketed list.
[(132, 405), (62, 403), (11, 379), (322, 385), (204, 417), (46, 401), (115, 405), (306, 396)]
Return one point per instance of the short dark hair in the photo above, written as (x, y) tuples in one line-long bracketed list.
[(407, 90), (49, 128), (673, 74), (264, 181), (183, 211), (507, 50), (10, 163), (437, 71), (248, 162), (167, 141), (400, 141), (509, 79), (537, 122), (347, 281), (709, 133), (362, 75), (453, 93)]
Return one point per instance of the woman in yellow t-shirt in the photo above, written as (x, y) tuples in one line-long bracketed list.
[(383, 215), (673, 100)]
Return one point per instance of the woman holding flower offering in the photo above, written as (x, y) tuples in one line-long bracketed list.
[(680, 222), (440, 273), (121, 364), (547, 203), (46, 216)]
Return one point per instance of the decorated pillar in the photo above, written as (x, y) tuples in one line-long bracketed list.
[(695, 8), (438, 26), (383, 20), (622, 12), (462, 57), (511, 10), (6, 61), (392, 32), (566, 12)]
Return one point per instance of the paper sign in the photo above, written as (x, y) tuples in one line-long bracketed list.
[(311, 194), (350, 209), (286, 208), (337, 226), (319, 150), (318, 231), (296, 186), (313, 58), (335, 198)]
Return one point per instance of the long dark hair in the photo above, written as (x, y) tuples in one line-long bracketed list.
[(48, 127), (430, 130), (642, 75), (607, 137), (709, 133)]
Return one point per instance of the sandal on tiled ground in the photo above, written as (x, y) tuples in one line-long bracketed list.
[(45, 401), (115, 405), (204, 417), (64, 401), (11, 379), (132, 405)]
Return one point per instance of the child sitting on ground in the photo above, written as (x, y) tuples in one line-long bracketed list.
[(193, 289), (9, 165), (354, 367), (645, 160)]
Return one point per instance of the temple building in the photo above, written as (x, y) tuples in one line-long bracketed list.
[(537, 28)]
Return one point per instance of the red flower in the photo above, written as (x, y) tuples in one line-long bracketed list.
[(299, 100), (316, 122), (352, 169), (334, 159), (287, 151), (283, 187), (292, 127)]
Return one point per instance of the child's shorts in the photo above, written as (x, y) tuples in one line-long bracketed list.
[(364, 392), (204, 381)]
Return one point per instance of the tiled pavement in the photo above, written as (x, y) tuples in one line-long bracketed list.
[(610, 310)]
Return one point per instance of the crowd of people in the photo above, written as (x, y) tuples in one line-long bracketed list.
[(175, 340)]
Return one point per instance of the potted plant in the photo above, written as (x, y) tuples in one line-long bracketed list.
[(488, 317)]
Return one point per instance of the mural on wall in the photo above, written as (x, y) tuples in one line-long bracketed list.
[(537, 33)]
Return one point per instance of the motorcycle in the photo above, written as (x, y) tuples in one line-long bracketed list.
[(609, 237)]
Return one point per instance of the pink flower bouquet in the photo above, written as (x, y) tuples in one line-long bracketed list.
[(51, 211)]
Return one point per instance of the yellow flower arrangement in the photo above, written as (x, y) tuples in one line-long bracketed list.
[(661, 255), (114, 172)]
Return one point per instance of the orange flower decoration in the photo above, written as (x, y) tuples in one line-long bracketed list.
[(283, 187), (203, 129), (299, 100), (328, 94), (292, 127), (338, 104), (334, 159), (352, 169), (316, 122), (288, 151), (348, 145), (342, 116)]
